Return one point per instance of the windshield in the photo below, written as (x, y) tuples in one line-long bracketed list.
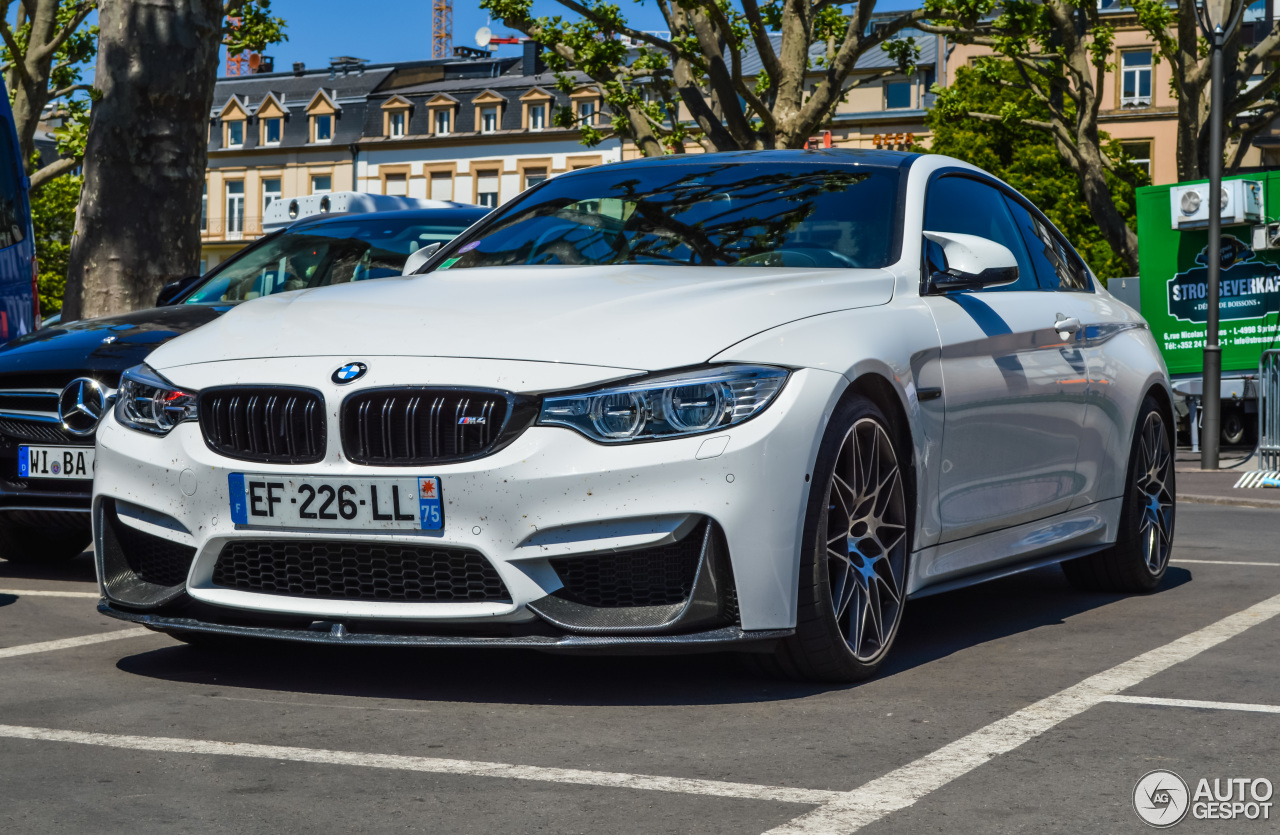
[(725, 214), (328, 253)]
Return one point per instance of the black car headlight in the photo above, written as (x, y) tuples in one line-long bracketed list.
[(149, 403), (669, 406)]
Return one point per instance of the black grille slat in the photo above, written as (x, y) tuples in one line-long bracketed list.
[(359, 571), (658, 576), (274, 425), (407, 426), (153, 559)]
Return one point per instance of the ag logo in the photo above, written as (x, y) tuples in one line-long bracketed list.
[(1161, 799), (349, 373), (81, 405)]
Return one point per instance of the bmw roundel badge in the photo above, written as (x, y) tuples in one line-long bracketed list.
[(349, 373)]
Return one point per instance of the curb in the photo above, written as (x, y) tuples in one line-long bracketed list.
[(1273, 504)]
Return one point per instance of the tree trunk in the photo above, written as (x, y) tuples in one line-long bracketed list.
[(138, 223)]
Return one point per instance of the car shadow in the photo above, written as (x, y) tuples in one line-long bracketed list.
[(78, 570), (935, 627)]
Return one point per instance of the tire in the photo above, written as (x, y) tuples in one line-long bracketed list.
[(853, 568), (46, 539), (1136, 563), (1233, 427)]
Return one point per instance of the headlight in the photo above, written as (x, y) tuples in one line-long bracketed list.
[(149, 403), (674, 405)]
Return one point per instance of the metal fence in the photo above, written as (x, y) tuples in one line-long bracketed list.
[(1269, 410)]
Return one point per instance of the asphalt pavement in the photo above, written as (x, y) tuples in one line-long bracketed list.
[(1020, 706)]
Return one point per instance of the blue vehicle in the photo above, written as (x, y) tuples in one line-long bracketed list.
[(19, 298)]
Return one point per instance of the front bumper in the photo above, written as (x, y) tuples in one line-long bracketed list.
[(550, 494)]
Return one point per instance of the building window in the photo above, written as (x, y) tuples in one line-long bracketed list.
[(321, 184), (235, 209), (235, 134), (322, 128), (442, 121), (897, 95), (537, 117), (396, 123), (1139, 153), (487, 188), (396, 184), (441, 185), (488, 119), (204, 209), (1135, 89), (533, 176), (271, 131), (587, 112), (270, 192)]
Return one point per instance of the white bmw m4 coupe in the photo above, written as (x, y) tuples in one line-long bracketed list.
[(751, 402)]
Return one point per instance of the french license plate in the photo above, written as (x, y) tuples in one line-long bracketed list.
[(55, 462), (382, 503)]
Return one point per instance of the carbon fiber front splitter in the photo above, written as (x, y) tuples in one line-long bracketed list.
[(728, 638)]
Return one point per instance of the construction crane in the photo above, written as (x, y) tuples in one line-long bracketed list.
[(441, 28)]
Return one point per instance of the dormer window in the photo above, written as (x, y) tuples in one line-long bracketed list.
[(395, 117), (322, 128), (586, 105), (587, 112), (442, 122), (233, 117), (537, 109), (488, 109), (488, 119), (396, 123), (537, 117), (235, 134), (272, 130)]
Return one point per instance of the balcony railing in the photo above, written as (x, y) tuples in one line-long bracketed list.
[(218, 229)]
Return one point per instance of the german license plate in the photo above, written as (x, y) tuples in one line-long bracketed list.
[(55, 462), (384, 503)]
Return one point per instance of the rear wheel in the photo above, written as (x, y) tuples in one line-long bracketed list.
[(1138, 560), (853, 570), (46, 539)]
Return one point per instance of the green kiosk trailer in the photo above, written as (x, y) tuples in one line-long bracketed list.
[(1172, 289)]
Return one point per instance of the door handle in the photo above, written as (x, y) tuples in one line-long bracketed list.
[(1065, 325)]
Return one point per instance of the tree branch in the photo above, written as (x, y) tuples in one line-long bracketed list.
[(74, 88), (19, 57), (52, 171), (68, 29)]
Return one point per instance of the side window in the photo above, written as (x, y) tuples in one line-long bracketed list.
[(1057, 265), (13, 225), (966, 206)]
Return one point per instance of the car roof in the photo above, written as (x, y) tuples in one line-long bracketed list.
[(867, 157), (466, 214)]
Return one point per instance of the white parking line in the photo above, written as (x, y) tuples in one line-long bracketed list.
[(68, 643), (43, 593), (435, 765), (903, 786), (1229, 562), (1195, 703)]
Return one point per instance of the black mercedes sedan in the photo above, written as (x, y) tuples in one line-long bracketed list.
[(57, 382)]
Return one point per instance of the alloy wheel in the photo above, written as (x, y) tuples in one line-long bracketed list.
[(1153, 468), (866, 540)]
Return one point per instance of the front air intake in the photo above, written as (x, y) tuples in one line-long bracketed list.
[(267, 424)]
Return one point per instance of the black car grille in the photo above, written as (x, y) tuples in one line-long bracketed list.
[(154, 559), (659, 576), (274, 425), (359, 571), (40, 432), (406, 426)]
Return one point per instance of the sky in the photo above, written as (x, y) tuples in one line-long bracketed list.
[(400, 30)]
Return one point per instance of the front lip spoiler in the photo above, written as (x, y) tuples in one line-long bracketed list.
[(714, 640)]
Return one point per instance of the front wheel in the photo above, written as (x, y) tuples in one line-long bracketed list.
[(853, 569), (1138, 560)]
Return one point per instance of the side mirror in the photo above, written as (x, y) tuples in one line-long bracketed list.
[(419, 257), (172, 291), (966, 262)]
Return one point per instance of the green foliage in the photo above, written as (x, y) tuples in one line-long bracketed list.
[(1025, 157), (53, 213), (251, 27)]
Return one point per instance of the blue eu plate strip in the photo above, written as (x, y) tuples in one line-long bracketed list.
[(24, 462), (239, 508)]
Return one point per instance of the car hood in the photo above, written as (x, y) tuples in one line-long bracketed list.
[(638, 317), (103, 346)]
